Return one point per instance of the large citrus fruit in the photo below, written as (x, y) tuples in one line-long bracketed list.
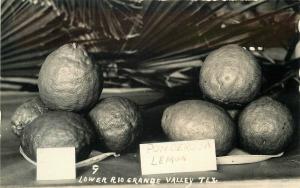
[(297, 49), (58, 129), (196, 120), (118, 121), (69, 79), (265, 127), (230, 75), (26, 113)]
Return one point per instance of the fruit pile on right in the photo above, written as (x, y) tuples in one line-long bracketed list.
[(231, 77)]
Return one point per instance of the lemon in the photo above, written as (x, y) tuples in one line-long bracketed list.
[(58, 129), (197, 120), (230, 75), (265, 127), (118, 122), (69, 80), (26, 113)]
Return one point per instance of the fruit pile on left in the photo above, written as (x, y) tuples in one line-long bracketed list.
[(70, 84)]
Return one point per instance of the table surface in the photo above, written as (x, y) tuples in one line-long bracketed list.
[(16, 171)]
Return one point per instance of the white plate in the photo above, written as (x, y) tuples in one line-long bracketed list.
[(237, 156)]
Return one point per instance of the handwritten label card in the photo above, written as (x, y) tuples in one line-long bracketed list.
[(56, 163), (181, 156)]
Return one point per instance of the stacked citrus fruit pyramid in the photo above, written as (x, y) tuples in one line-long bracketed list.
[(67, 112), (230, 78)]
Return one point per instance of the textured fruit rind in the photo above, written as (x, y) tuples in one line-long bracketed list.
[(69, 80), (118, 121), (58, 129), (265, 127), (196, 120), (230, 75), (297, 50), (26, 113)]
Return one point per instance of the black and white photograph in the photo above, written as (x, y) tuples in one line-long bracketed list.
[(150, 93)]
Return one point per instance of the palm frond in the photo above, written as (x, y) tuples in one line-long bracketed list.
[(142, 43)]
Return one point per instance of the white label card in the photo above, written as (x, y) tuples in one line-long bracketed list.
[(181, 156), (56, 163)]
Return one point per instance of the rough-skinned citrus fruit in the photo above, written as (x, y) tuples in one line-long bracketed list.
[(69, 80), (118, 122), (265, 127), (230, 75), (58, 129), (297, 50), (26, 113), (196, 120)]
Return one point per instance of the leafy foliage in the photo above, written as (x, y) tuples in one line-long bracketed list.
[(159, 44)]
